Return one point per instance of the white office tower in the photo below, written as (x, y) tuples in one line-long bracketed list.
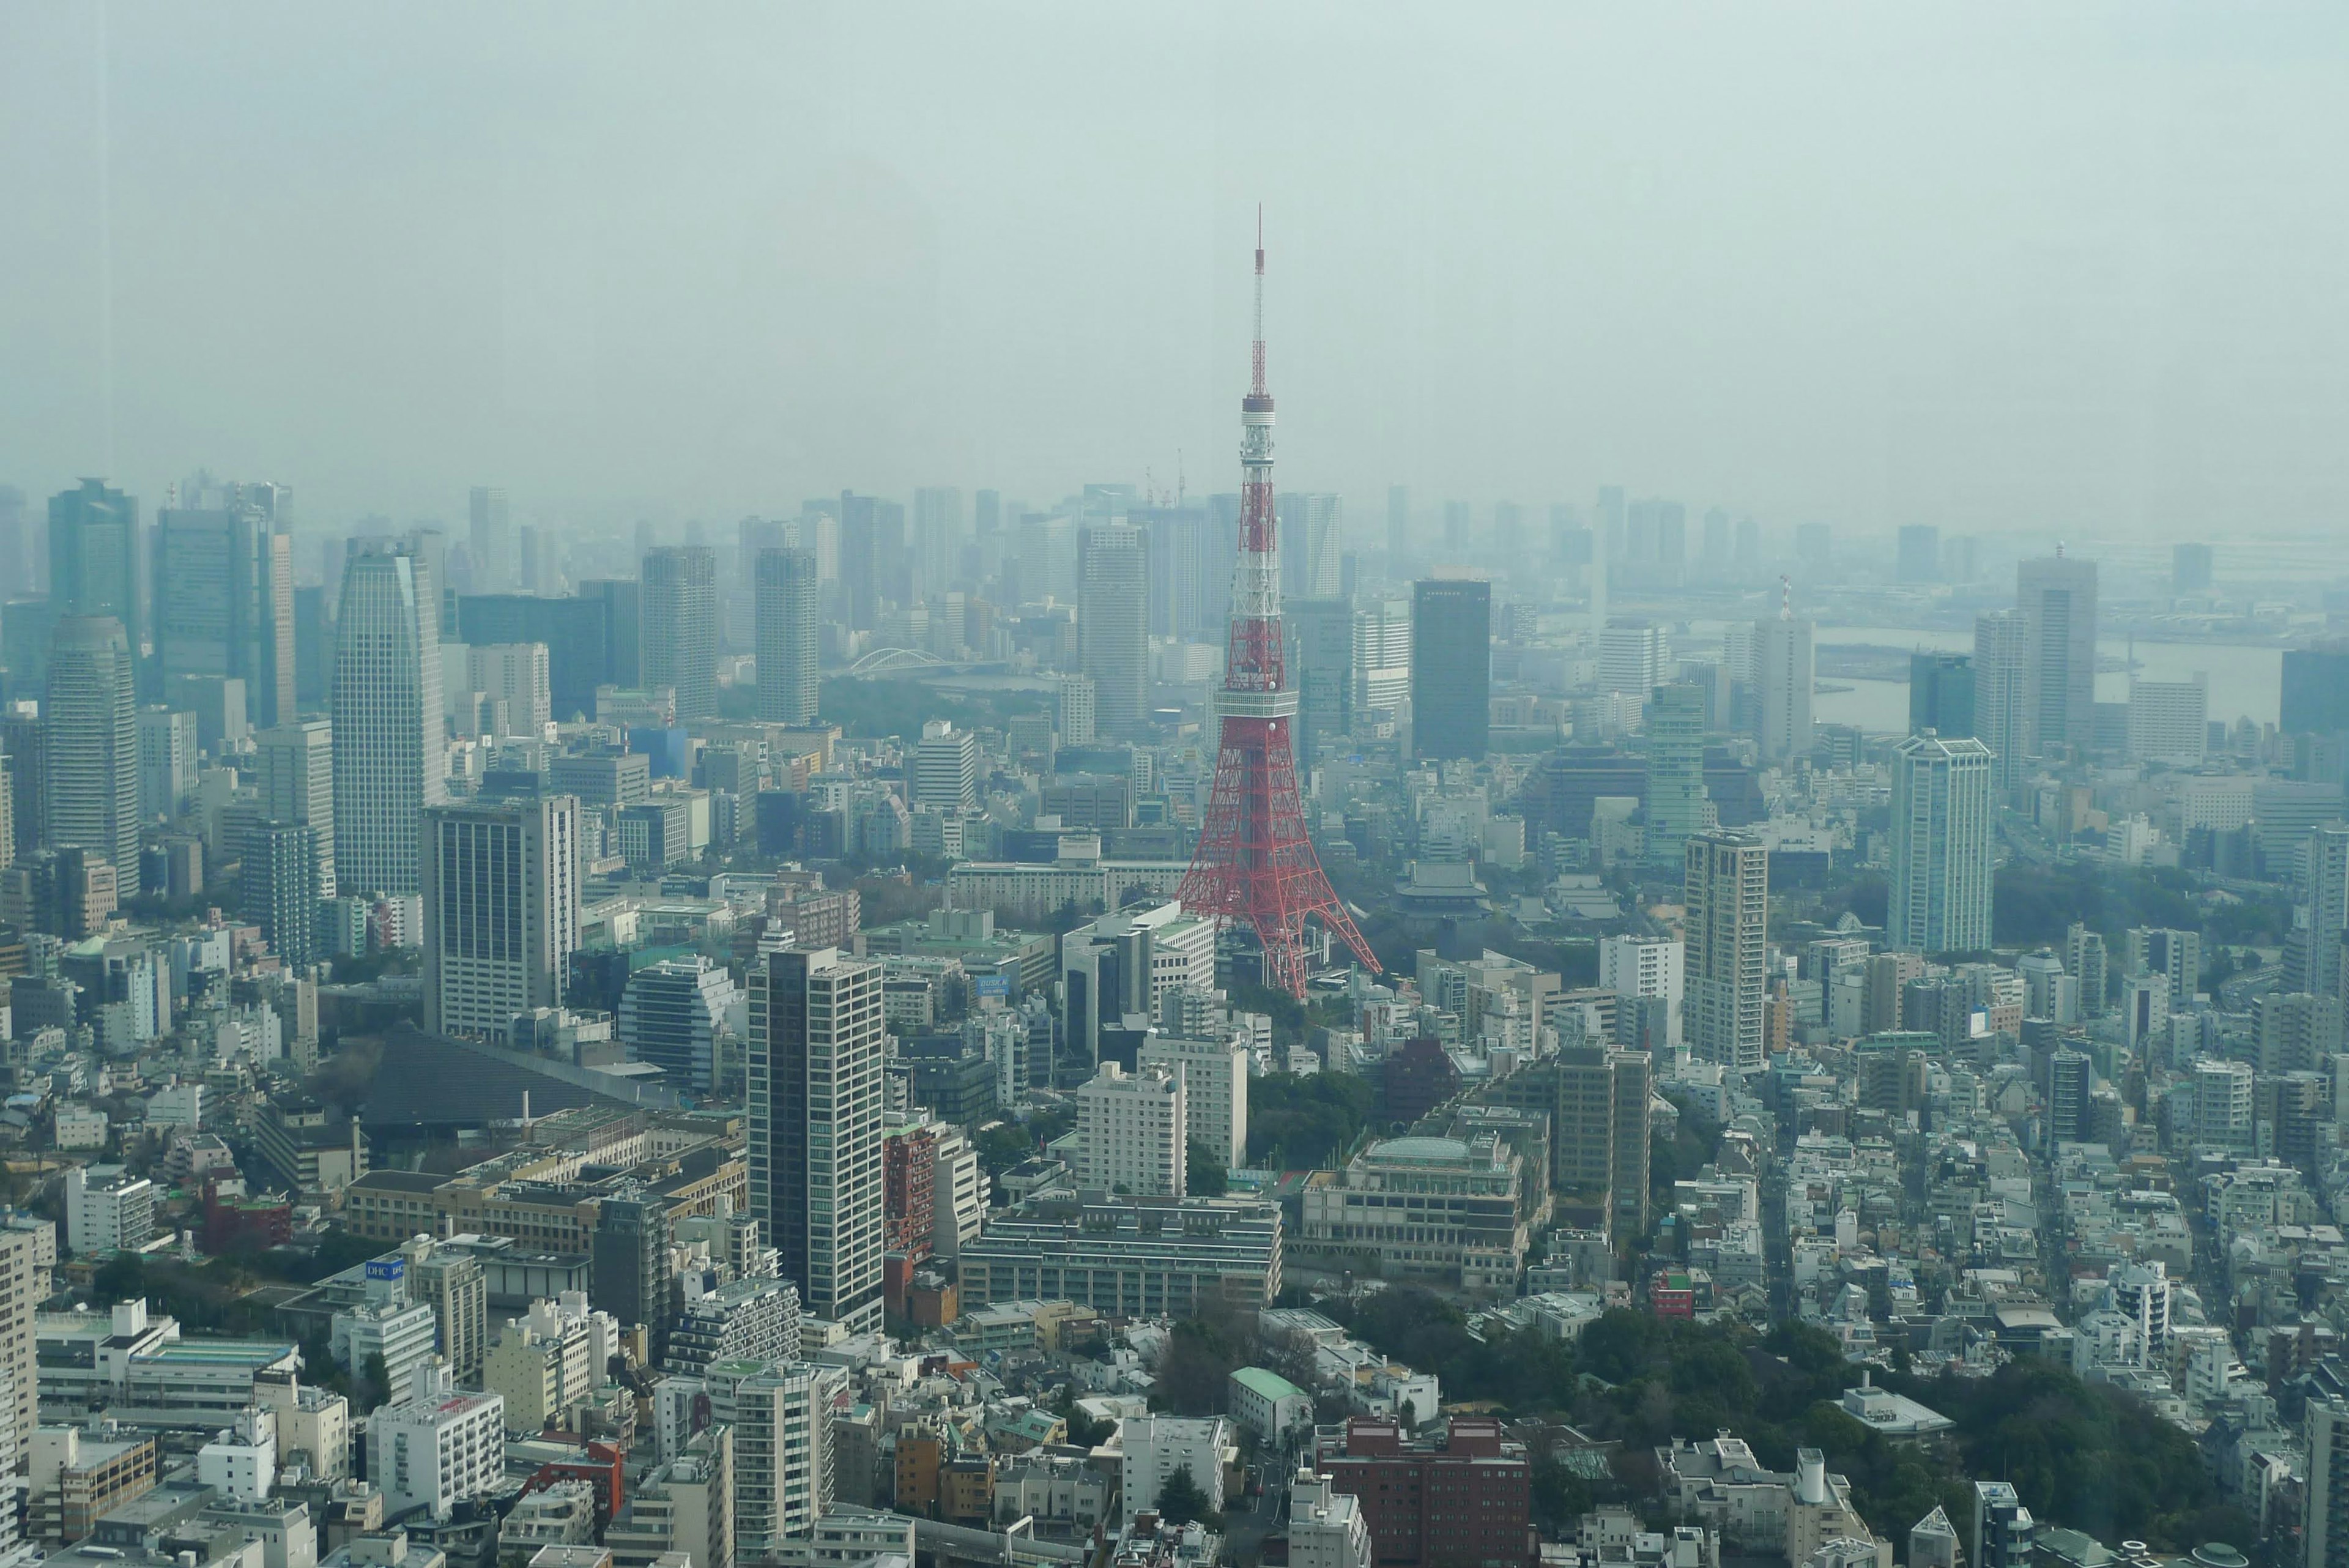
[(1114, 626), (490, 537), (1942, 832), (673, 1014), (1727, 895), (1631, 656), (2056, 596), (1645, 966), (513, 674), (501, 910), (436, 1448), (294, 778), (391, 757), (815, 1094), (1131, 1132), (2224, 1098), (89, 745), (784, 612), (1782, 686), (1075, 719), (945, 768), (1215, 1073), (783, 1470), (2169, 720), (2314, 962), (1382, 692), (1119, 967), (1312, 545)]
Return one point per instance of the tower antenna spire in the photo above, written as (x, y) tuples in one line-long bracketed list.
[(1256, 348)]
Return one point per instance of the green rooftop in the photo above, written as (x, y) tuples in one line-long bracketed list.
[(1267, 1385)]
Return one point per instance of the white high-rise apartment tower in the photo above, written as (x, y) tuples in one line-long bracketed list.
[(1728, 901), (2002, 705), (1942, 832), (2057, 598), (1781, 680), (89, 745), (785, 614), (501, 910), (390, 753), (945, 767), (815, 1094), (1215, 1074), (1133, 1129), (1645, 966)]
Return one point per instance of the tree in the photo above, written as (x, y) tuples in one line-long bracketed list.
[(1180, 1501), (122, 1278), (1204, 1174), (379, 1374)]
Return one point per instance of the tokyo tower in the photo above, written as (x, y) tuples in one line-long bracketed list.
[(1254, 864)]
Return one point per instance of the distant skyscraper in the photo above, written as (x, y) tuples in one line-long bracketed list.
[(1942, 832), (1941, 694), (2315, 697), (295, 782), (1727, 895), (1919, 558), (1631, 657), (1748, 553), (89, 743), (1185, 569), (1608, 520), (1398, 523), (1457, 527), (490, 540), (1678, 807), (1716, 562), (1114, 626), (786, 610), (2001, 703), (514, 675), (938, 537), (1312, 540), (391, 757), (2057, 598), (987, 511), (224, 605), (1382, 651), (501, 910), (1074, 716), (680, 626), (875, 566), (94, 556), (815, 1103), (279, 890), (2190, 569), (1783, 682), (1321, 656), (1451, 669)]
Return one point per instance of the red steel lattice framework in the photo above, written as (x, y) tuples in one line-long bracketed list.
[(1255, 866)]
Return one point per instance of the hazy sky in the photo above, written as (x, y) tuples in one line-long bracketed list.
[(2071, 267)]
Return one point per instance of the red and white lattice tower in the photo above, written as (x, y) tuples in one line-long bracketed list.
[(1255, 866)]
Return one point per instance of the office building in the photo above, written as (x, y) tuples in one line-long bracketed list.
[(1312, 539), (437, 1446), (1451, 669), (1919, 554), (786, 617), (628, 1259), (1941, 694), (2190, 569), (94, 556), (1128, 1257), (1114, 626), (1632, 656), (1381, 653), (2225, 1095), (1458, 1501), (1074, 704), (223, 609), (1727, 896), (815, 1101), (501, 910), (2057, 598), (294, 778), (680, 626), (2177, 955), (1116, 972), (490, 539), (2169, 720), (1215, 1074), (1783, 682), (945, 774), (89, 745), (1398, 523), (1320, 654), (516, 675), (106, 1210), (1677, 803), (2315, 695), (167, 762), (1943, 831), (591, 638), (390, 758), (1132, 1132), (673, 1016)]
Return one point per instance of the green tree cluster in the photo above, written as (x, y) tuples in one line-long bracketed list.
[(1310, 1120)]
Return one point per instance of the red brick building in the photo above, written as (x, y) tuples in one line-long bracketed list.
[(909, 1160), (1464, 1503), (1420, 1076)]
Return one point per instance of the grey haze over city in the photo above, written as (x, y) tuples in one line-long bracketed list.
[(2042, 270)]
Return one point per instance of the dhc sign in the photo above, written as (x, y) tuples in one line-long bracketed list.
[(386, 1268)]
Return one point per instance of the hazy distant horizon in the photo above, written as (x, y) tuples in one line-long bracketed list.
[(2007, 269)]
